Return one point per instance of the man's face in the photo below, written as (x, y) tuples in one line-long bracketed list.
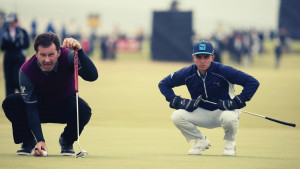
[(203, 61), (47, 57)]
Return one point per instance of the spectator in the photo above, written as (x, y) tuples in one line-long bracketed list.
[(15, 40), (50, 28), (104, 48), (33, 29), (278, 54)]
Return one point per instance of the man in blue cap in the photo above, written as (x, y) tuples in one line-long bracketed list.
[(208, 82)]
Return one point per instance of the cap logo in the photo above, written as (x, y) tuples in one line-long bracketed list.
[(202, 46)]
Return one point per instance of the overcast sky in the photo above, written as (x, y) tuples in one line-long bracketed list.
[(130, 15)]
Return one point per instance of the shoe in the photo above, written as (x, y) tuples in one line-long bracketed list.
[(230, 148), (66, 149), (199, 146), (27, 147)]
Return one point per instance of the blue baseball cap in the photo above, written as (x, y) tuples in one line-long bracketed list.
[(203, 47)]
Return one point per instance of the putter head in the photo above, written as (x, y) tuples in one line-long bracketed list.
[(81, 154)]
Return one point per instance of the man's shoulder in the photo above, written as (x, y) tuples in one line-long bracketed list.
[(29, 63), (217, 67), (29, 68), (188, 69)]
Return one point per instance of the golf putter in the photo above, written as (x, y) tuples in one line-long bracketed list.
[(82, 153)]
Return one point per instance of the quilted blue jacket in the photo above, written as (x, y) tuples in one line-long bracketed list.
[(217, 84)]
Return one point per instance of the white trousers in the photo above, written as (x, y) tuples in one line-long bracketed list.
[(186, 122)]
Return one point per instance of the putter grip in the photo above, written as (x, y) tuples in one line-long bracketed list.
[(281, 122), (76, 69)]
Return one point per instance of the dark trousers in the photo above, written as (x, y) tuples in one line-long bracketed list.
[(12, 65), (64, 113)]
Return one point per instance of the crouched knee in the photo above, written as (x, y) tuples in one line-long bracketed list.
[(85, 112), (229, 118), (176, 117)]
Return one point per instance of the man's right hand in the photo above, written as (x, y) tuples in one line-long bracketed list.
[(186, 104), (39, 147)]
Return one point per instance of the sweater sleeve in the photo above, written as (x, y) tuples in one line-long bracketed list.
[(86, 68), (28, 94), (34, 121)]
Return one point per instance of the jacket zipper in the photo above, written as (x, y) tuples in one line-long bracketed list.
[(203, 79), (204, 87)]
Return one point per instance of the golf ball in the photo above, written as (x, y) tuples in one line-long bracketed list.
[(45, 153)]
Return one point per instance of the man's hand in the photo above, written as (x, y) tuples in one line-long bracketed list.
[(71, 44), (39, 147), (235, 103), (186, 104)]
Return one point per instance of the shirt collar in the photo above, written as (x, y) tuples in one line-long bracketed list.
[(211, 67)]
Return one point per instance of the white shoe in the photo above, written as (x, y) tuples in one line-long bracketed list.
[(230, 148), (199, 146)]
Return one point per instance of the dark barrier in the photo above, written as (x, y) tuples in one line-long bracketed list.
[(172, 36), (289, 18)]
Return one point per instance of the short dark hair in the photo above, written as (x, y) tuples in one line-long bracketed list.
[(45, 40)]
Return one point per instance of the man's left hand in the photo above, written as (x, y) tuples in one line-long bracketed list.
[(235, 103), (71, 44)]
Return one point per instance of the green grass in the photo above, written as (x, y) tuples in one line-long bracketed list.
[(131, 126)]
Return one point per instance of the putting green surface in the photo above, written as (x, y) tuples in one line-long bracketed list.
[(131, 127), (142, 147)]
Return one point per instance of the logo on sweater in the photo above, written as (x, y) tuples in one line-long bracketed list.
[(22, 88), (217, 83)]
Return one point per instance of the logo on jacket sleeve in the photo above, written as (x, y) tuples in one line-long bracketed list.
[(172, 75)]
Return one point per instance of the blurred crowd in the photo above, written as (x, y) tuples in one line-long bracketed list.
[(241, 45), (108, 45), (15, 41)]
